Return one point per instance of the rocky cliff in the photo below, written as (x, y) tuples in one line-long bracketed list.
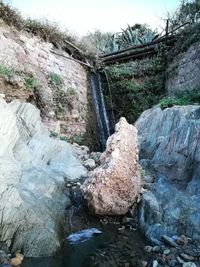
[(169, 149), (35, 71), (33, 172), (183, 71)]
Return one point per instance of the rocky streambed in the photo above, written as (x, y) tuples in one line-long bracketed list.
[(120, 244), (42, 181)]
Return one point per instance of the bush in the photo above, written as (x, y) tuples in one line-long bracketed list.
[(45, 30), (134, 87), (186, 98), (11, 16), (48, 31), (30, 82), (55, 80), (6, 71), (29, 79), (187, 12)]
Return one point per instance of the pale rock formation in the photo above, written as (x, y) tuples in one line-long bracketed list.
[(33, 170), (114, 186)]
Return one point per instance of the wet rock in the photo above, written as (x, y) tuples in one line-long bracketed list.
[(15, 261), (168, 240), (148, 178), (156, 249), (113, 187), (166, 251), (189, 264), (96, 157), (19, 256), (143, 263), (89, 164), (148, 249), (183, 240), (180, 260), (83, 236), (169, 149), (173, 263), (187, 257), (155, 264), (192, 250), (81, 152)]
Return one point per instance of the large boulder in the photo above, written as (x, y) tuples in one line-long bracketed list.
[(170, 148), (112, 188), (33, 170)]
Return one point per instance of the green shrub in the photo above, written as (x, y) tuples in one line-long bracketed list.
[(30, 82), (134, 87), (186, 98), (55, 80), (71, 91), (78, 139), (6, 71), (48, 31)]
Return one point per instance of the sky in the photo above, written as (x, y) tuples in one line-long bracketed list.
[(82, 16)]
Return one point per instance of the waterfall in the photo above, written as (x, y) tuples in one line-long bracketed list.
[(99, 108)]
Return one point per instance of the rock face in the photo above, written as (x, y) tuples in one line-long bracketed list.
[(170, 148), (113, 187), (45, 65), (183, 71), (33, 170)]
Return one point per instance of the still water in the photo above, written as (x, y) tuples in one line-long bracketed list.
[(75, 255)]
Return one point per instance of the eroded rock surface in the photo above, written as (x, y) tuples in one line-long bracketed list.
[(33, 170), (170, 149), (114, 186)]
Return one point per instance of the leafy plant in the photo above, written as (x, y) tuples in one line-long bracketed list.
[(186, 98), (44, 29), (188, 11), (55, 80), (30, 82), (78, 139), (136, 35), (71, 91), (10, 16), (135, 87), (6, 71)]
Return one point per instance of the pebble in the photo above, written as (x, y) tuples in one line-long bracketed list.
[(180, 260), (19, 256), (15, 261), (156, 249), (148, 249), (187, 257), (143, 263), (183, 240), (155, 264), (169, 241), (121, 228), (173, 263), (127, 220), (167, 251), (189, 264)]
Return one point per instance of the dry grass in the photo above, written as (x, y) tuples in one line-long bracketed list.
[(47, 31)]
